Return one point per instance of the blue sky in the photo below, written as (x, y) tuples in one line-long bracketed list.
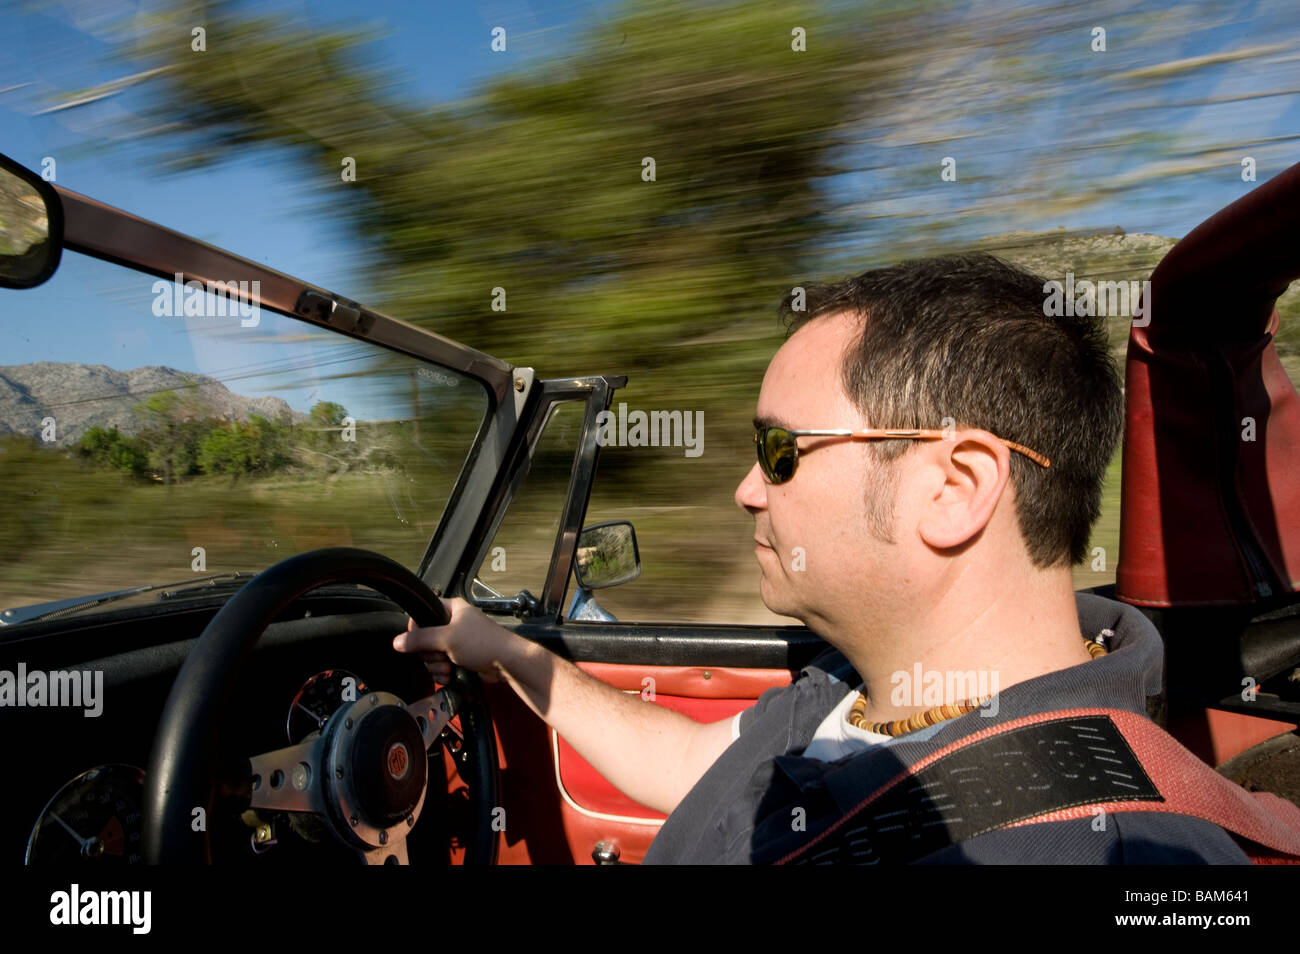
[(255, 207), (250, 205)]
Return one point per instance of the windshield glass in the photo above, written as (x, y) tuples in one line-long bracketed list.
[(152, 432)]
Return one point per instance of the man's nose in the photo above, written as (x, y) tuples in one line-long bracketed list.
[(751, 495)]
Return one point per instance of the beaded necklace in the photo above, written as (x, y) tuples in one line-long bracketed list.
[(857, 715)]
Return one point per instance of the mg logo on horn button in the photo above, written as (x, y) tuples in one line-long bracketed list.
[(399, 761)]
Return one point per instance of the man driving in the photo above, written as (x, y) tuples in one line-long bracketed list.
[(933, 446)]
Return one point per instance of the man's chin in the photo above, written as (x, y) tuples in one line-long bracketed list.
[(777, 600)]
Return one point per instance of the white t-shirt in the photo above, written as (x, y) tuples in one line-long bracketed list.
[(834, 738)]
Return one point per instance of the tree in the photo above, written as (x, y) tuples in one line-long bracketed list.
[(172, 430), (111, 448), (228, 449), (240, 448), (324, 421), (538, 185)]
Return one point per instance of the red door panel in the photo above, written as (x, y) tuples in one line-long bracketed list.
[(557, 807), (587, 790)]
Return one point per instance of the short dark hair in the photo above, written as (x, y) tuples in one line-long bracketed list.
[(967, 337)]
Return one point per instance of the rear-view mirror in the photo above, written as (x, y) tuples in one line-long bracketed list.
[(607, 555), (31, 227)]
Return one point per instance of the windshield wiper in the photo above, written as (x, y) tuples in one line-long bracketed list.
[(186, 587), (56, 609)]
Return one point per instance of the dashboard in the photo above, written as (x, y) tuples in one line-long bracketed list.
[(77, 774)]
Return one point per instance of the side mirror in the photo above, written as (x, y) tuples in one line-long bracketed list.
[(31, 227), (607, 555)]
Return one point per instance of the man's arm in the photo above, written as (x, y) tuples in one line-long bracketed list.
[(652, 754)]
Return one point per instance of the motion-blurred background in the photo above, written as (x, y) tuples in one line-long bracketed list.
[(791, 142)]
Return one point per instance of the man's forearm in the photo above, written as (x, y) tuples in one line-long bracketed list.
[(639, 747)]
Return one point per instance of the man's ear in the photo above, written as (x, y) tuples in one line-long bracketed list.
[(964, 478)]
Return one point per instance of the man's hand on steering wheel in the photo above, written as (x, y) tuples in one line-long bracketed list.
[(469, 640)]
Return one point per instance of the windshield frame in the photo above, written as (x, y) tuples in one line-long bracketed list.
[(113, 235)]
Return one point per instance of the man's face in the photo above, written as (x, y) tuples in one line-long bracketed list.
[(817, 543)]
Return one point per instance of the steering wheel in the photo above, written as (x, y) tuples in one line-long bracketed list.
[(365, 774)]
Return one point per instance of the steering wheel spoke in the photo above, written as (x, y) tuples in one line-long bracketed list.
[(393, 853), (432, 713), (288, 779)]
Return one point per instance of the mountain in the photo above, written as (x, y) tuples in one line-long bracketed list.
[(81, 396)]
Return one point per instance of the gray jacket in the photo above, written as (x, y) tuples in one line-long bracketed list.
[(740, 812)]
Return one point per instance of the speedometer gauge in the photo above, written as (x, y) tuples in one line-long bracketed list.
[(95, 817)]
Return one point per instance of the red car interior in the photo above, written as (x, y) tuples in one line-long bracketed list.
[(1210, 519), (1211, 503), (557, 807)]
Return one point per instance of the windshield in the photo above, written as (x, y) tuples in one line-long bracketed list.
[(152, 432)]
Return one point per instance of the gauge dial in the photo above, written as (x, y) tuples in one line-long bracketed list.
[(95, 817), (318, 699)]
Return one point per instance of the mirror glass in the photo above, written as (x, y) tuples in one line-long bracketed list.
[(607, 555), (26, 251)]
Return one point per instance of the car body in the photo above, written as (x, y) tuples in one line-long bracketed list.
[(514, 792)]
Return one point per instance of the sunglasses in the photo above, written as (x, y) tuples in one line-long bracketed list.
[(778, 447)]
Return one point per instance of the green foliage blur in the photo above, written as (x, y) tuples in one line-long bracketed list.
[(172, 447)]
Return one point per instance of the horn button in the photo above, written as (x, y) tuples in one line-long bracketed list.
[(384, 764)]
